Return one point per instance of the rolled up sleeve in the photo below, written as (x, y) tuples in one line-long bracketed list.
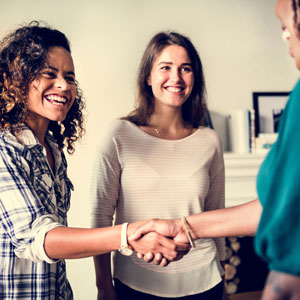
[(25, 216)]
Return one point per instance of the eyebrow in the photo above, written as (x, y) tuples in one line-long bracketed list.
[(170, 63), (56, 70)]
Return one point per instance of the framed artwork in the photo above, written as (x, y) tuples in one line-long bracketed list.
[(268, 107)]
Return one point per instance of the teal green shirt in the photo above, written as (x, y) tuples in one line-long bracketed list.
[(278, 186)]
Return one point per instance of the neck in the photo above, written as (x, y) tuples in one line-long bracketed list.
[(39, 127), (169, 127), (168, 122)]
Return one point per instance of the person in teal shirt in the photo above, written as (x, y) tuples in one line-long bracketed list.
[(274, 218), (278, 235)]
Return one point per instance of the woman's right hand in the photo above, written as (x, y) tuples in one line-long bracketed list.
[(168, 228), (156, 243), (157, 248)]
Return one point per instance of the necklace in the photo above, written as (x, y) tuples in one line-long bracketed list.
[(183, 134), (157, 132)]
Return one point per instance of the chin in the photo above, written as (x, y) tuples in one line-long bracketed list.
[(58, 118)]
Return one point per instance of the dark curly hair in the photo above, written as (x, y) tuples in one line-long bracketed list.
[(23, 53), (296, 7), (194, 110)]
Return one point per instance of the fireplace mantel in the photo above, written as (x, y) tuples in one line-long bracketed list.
[(240, 177)]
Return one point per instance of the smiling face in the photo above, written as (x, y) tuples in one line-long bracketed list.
[(285, 13), (171, 77), (52, 93)]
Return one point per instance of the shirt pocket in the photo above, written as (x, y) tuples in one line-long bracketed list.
[(44, 187), (64, 191)]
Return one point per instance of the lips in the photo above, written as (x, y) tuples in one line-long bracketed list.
[(56, 99), (174, 89)]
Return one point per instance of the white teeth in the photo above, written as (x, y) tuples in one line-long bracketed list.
[(174, 89), (56, 98)]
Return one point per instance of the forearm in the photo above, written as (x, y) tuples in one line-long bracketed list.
[(69, 242), (65, 242), (241, 220)]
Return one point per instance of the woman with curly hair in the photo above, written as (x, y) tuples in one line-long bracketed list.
[(40, 113)]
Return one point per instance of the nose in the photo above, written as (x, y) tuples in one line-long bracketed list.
[(175, 75), (61, 83)]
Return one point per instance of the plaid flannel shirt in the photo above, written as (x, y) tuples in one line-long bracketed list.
[(33, 201)]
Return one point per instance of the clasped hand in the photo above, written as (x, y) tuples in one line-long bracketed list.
[(160, 241)]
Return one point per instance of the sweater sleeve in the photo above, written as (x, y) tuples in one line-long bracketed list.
[(105, 182), (216, 196)]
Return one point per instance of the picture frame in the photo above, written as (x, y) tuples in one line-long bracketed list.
[(268, 107)]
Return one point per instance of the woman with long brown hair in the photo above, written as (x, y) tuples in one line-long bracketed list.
[(161, 162)]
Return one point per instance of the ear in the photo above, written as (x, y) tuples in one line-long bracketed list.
[(149, 81)]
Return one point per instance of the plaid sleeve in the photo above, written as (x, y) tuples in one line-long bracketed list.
[(23, 216)]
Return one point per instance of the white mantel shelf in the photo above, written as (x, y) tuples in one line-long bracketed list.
[(240, 177)]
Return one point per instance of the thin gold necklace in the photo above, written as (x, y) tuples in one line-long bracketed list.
[(157, 132)]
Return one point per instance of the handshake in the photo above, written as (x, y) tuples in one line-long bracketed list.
[(164, 241), (161, 241)]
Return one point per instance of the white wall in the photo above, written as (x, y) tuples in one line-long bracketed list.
[(238, 40)]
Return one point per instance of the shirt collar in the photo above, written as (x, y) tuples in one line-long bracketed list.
[(25, 136)]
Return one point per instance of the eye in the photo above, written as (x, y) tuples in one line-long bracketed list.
[(165, 68), (48, 74), (70, 79), (186, 69)]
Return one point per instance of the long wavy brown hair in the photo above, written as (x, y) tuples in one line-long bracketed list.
[(23, 53), (194, 109)]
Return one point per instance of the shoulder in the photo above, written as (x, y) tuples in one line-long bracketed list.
[(290, 125), (294, 97), (116, 128), (9, 141), (208, 131), (210, 142), (209, 135), (114, 134), (119, 126), (12, 152), (296, 88)]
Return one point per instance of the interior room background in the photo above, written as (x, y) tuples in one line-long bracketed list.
[(239, 42)]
